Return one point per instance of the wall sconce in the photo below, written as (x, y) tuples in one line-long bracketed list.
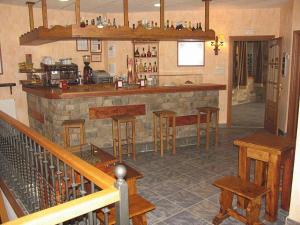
[(218, 42)]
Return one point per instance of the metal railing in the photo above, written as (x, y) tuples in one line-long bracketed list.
[(53, 185)]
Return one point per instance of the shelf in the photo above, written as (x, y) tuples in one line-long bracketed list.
[(31, 71), (43, 35), (10, 85)]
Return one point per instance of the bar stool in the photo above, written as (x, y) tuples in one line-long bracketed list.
[(160, 116), (208, 113), (117, 122), (71, 124)]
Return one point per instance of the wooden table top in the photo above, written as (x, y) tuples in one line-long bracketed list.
[(267, 142)]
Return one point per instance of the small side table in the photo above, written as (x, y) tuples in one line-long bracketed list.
[(273, 151)]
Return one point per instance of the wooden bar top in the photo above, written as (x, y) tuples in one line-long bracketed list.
[(98, 90)]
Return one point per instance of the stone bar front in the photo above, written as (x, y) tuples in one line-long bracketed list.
[(48, 108)]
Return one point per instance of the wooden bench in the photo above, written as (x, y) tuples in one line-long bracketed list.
[(138, 207), (252, 194)]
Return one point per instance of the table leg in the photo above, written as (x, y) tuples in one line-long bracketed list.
[(244, 172), (259, 173), (273, 185), (288, 164)]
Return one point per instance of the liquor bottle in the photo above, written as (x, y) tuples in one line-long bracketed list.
[(143, 53), (190, 25), (156, 26), (137, 53), (136, 66), (154, 52), (145, 80), (193, 28), (86, 23), (100, 23), (145, 67), (200, 27), (185, 24), (93, 22), (114, 23), (197, 28), (172, 25), (152, 24), (108, 23), (148, 52), (141, 67), (155, 67), (82, 22), (168, 24), (150, 67)]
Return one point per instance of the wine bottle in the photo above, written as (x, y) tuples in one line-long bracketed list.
[(200, 27), (168, 24), (150, 67), (137, 53), (155, 67), (100, 23), (93, 22), (136, 66), (148, 52), (154, 52), (114, 23), (141, 67), (145, 67), (172, 25), (143, 53)]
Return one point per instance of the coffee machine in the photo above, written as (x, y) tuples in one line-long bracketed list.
[(87, 70)]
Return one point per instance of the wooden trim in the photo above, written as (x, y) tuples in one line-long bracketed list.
[(30, 13), (162, 14), (206, 14), (232, 39), (187, 120), (11, 199), (294, 88), (125, 8), (36, 115), (3, 212), (77, 12), (109, 111), (44, 13)]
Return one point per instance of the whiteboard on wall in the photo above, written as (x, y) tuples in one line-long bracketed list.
[(190, 53)]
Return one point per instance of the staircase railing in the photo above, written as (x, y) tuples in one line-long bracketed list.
[(51, 184)]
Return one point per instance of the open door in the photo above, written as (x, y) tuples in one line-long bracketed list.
[(273, 86)]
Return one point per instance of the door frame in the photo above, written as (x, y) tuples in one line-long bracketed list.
[(294, 87), (232, 39)]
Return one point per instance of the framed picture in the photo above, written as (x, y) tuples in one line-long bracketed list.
[(82, 45), (190, 53), (96, 46), (96, 57), (1, 67)]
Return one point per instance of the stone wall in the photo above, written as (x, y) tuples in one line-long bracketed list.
[(98, 131)]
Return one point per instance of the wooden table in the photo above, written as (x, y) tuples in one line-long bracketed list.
[(271, 151)]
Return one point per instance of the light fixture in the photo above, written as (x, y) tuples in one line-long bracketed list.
[(217, 43), (63, 0), (157, 5)]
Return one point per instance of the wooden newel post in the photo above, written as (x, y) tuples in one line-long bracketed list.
[(125, 8), (162, 14), (77, 12), (30, 11), (44, 13), (206, 14)]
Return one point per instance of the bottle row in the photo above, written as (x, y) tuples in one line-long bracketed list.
[(144, 68), (100, 22), (143, 53)]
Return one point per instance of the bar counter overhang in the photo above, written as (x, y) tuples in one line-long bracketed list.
[(49, 107)]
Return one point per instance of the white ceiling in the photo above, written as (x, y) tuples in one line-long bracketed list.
[(102, 6)]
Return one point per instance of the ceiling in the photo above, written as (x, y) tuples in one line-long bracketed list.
[(102, 6)]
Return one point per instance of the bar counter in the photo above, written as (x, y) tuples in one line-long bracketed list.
[(49, 107)]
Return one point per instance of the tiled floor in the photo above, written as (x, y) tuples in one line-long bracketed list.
[(180, 185)]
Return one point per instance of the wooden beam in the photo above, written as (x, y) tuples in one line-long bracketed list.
[(206, 14), (125, 8), (77, 12), (44, 13), (162, 14), (30, 11)]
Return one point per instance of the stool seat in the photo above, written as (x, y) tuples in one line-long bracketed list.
[(76, 123), (164, 113), (207, 109), (73, 122), (123, 118)]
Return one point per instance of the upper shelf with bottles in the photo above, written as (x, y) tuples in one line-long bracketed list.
[(148, 32)]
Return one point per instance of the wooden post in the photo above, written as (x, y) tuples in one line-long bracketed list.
[(162, 14), (30, 11), (77, 12), (125, 8), (206, 14), (44, 13)]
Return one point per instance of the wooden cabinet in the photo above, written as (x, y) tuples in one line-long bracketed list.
[(146, 60)]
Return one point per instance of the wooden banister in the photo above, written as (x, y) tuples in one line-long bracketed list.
[(44, 13), (77, 12), (125, 8), (162, 14), (30, 13)]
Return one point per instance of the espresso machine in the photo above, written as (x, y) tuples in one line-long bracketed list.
[(87, 70)]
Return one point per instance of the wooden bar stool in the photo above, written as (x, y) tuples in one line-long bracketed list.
[(208, 113), (71, 124), (161, 116), (117, 121)]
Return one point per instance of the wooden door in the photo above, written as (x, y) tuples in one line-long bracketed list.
[(273, 86)]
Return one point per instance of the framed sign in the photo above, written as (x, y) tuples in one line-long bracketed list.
[(96, 46), (190, 53), (82, 45), (96, 57), (1, 65)]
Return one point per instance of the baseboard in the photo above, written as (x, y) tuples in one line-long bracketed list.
[(291, 222)]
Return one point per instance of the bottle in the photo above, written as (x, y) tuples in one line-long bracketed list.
[(114, 23), (154, 52), (156, 26), (145, 67), (155, 67), (82, 22), (150, 67), (145, 80), (152, 24), (200, 27), (137, 53), (148, 52), (100, 23), (143, 53), (133, 26), (108, 23), (136, 66), (172, 25), (185, 24), (141, 67), (190, 25), (93, 22), (168, 24)]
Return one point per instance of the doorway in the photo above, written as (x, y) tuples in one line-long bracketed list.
[(248, 68)]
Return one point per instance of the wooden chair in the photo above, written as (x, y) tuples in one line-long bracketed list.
[(138, 207), (117, 122), (160, 116), (208, 112), (71, 124), (252, 194)]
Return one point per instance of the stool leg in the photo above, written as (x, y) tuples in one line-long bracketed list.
[(217, 128), (167, 133), (154, 133), (82, 134), (174, 135), (198, 130), (128, 139), (119, 141), (225, 203), (252, 211), (114, 138), (207, 130), (161, 136), (133, 140), (66, 137)]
